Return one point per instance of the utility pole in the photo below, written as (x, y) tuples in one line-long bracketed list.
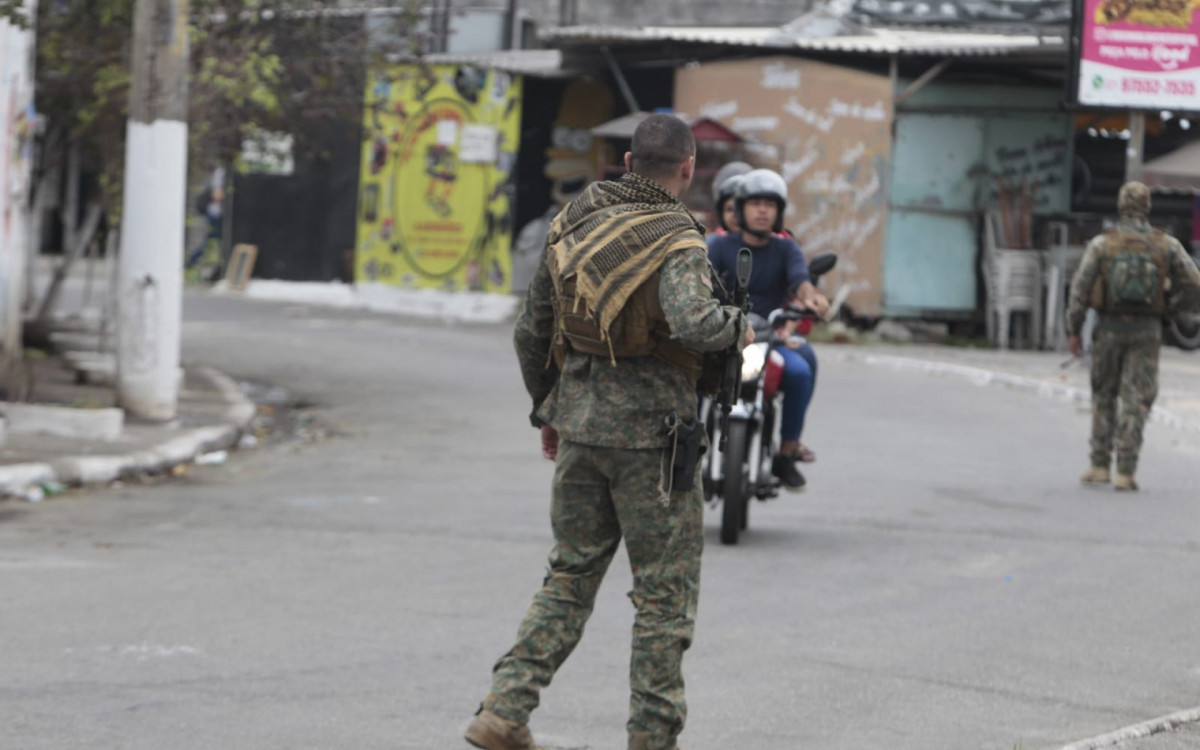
[(512, 20), (568, 12), (1135, 152), (150, 272)]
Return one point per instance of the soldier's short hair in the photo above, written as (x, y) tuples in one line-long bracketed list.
[(661, 143), (1134, 198)]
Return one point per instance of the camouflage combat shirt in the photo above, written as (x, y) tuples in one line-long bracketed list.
[(1184, 291), (623, 405)]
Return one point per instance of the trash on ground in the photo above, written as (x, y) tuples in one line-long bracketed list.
[(215, 458), (52, 488), (33, 494)]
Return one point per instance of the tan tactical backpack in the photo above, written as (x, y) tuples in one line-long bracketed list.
[(1134, 268)]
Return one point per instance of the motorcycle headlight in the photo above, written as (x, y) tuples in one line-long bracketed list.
[(754, 358)]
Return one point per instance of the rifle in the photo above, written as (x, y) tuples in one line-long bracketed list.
[(731, 377)]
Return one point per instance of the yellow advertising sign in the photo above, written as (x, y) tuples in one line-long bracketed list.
[(435, 199)]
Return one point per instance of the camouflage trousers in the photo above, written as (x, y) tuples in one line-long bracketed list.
[(1124, 368), (601, 495)]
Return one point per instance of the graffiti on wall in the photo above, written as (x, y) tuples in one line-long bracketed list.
[(831, 126), (572, 159), (435, 201)]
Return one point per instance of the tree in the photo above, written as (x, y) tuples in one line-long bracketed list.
[(13, 11), (256, 64)]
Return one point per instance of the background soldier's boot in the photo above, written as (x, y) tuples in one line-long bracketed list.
[(642, 741), (1125, 483), (492, 732), (1095, 475)]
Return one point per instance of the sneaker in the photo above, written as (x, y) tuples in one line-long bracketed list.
[(1095, 475), (492, 732), (784, 467)]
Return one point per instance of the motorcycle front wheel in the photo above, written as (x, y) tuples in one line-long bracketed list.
[(735, 493)]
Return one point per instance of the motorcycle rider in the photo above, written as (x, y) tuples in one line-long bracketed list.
[(725, 186), (779, 276)]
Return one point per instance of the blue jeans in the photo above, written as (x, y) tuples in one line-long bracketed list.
[(799, 379), (214, 233)]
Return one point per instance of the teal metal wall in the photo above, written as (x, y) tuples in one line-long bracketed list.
[(949, 144)]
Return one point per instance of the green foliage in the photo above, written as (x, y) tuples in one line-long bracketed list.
[(279, 65), (13, 11)]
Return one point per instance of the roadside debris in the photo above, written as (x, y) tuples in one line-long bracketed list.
[(215, 458)]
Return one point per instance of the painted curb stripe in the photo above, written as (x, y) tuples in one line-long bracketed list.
[(1137, 731), (981, 377)]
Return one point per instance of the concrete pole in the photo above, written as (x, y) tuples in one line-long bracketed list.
[(150, 265), (1135, 151), (16, 90), (512, 21)]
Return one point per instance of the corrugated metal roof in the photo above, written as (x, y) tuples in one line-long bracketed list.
[(942, 42), (959, 12), (735, 36), (875, 41), (545, 63)]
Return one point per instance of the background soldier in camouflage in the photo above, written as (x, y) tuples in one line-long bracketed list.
[(614, 464), (1133, 275)]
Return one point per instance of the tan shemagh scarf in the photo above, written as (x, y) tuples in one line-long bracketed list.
[(614, 237)]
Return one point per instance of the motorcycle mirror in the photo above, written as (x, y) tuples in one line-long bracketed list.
[(745, 263), (822, 264)]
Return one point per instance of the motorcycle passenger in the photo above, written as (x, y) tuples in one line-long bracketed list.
[(779, 276), (725, 186)]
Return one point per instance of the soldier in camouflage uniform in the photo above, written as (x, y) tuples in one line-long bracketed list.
[(610, 341), (1133, 276)]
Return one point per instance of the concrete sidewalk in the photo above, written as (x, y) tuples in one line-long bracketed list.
[(1178, 404), (213, 412), (212, 415)]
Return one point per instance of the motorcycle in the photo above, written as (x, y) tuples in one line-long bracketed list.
[(743, 443), (1183, 328)]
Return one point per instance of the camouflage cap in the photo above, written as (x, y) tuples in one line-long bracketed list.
[(1134, 198)]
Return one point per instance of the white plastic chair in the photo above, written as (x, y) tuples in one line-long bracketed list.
[(1012, 283)]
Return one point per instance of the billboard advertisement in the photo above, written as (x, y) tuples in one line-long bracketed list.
[(435, 199), (1138, 54)]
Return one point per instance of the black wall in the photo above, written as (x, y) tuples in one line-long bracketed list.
[(304, 224)]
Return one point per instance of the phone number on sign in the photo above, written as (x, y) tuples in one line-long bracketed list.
[(1151, 86)]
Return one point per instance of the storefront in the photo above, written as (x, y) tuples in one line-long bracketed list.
[(893, 142), (463, 161)]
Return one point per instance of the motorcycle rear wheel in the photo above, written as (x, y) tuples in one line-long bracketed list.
[(735, 493), (1185, 337)]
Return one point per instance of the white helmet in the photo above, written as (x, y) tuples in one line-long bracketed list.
[(762, 183)]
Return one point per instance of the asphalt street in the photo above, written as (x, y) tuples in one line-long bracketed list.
[(945, 584)]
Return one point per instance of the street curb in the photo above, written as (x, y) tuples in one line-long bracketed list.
[(1137, 731), (981, 377), (378, 297), (185, 447)]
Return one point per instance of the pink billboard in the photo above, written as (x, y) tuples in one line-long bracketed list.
[(1140, 54)]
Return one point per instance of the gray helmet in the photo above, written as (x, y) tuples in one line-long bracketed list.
[(762, 183), (732, 169), (726, 190)]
